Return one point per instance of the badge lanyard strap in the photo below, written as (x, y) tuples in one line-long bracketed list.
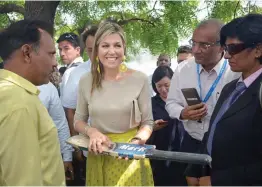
[(212, 88)]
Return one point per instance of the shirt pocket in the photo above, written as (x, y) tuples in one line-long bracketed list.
[(135, 118)]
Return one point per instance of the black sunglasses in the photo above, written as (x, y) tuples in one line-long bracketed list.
[(69, 36), (233, 49)]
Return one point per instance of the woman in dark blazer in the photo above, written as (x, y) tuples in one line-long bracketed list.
[(234, 139), (166, 133)]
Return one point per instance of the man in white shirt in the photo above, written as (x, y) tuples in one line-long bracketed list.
[(207, 72), (69, 99), (49, 97), (69, 50)]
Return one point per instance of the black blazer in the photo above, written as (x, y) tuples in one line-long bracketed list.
[(161, 138), (237, 142)]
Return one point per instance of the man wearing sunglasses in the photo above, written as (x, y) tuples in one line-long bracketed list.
[(69, 50), (207, 72)]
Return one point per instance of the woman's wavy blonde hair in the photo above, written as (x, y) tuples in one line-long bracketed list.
[(105, 29)]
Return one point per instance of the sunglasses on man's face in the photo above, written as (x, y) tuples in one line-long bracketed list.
[(233, 49)]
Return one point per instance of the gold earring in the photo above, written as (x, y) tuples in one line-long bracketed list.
[(98, 68), (124, 58), (122, 68)]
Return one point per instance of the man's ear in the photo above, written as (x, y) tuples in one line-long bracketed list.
[(258, 51), (78, 49), (27, 52), (222, 49)]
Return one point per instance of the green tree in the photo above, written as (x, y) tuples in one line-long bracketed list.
[(155, 25)]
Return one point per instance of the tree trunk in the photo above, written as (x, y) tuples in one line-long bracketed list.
[(41, 10)]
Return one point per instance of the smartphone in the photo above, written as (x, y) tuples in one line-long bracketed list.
[(191, 96)]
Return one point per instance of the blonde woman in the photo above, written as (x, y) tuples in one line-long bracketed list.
[(118, 102)]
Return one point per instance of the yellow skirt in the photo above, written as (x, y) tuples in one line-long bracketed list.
[(103, 170)]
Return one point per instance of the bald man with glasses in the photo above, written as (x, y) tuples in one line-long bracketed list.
[(207, 72)]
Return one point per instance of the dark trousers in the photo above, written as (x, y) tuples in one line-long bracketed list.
[(79, 173), (189, 145)]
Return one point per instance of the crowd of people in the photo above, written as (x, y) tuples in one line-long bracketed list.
[(42, 106)]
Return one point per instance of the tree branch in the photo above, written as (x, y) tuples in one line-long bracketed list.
[(10, 21), (198, 10), (152, 8), (235, 11), (124, 22), (8, 8)]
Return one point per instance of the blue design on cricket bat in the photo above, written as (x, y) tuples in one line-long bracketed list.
[(131, 150)]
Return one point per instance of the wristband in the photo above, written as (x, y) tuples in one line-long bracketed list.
[(135, 138)]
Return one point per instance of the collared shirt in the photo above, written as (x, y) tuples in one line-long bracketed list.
[(67, 73), (186, 76), (69, 99), (29, 151), (50, 98), (250, 79)]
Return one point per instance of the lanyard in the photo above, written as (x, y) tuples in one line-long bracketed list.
[(212, 88)]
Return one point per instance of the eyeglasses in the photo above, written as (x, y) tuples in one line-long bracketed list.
[(233, 49), (203, 45)]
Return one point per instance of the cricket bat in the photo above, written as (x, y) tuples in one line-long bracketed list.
[(135, 151)]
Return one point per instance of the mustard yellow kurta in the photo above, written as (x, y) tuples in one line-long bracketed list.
[(29, 146), (103, 170)]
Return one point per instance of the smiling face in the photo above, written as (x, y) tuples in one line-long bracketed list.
[(162, 87), (111, 51)]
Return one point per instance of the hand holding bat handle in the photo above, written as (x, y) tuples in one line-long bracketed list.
[(135, 151)]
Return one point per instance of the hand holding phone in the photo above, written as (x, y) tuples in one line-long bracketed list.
[(195, 110)]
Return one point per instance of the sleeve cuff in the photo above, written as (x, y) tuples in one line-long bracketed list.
[(67, 157)]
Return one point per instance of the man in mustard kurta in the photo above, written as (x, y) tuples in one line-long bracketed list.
[(29, 145)]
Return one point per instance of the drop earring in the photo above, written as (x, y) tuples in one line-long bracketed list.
[(98, 65), (123, 67)]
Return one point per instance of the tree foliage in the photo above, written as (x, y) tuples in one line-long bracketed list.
[(155, 25)]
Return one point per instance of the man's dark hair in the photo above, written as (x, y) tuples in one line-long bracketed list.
[(159, 73), (70, 37), (247, 29), (21, 33), (91, 31), (184, 49)]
